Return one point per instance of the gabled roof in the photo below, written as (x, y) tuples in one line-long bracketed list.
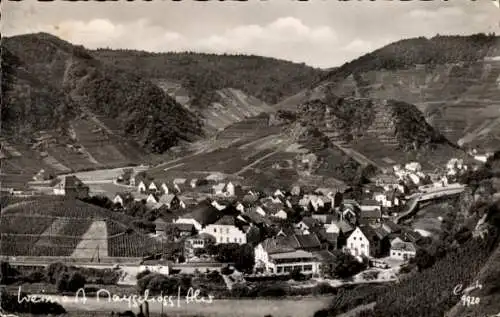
[(371, 214), (310, 222), (404, 246), (370, 202), (308, 241), (329, 237), (369, 233), (167, 199), (325, 256), (381, 233), (281, 244)]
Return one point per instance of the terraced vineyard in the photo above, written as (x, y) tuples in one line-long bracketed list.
[(64, 227)]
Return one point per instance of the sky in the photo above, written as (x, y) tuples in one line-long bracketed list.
[(320, 33)]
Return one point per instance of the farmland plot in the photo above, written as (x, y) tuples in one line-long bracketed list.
[(96, 238)]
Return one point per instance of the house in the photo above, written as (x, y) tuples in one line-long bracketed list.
[(141, 188), (178, 230), (281, 214), (401, 250), (365, 241), (225, 231), (281, 255), (260, 211), (329, 239), (164, 189), (370, 217), (369, 205), (326, 259), (71, 186), (307, 223), (201, 216), (193, 182), (152, 199), (413, 167), (230, 190), (219, 189), (279, 193), (324, 218), (152, 187), (118, 200), (391, 227), (199, 241), (295, 191), (172, 201), (240, 207)]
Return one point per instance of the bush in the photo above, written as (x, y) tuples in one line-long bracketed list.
[(76, 281), (35, 277), (142, 274), (62, 282)]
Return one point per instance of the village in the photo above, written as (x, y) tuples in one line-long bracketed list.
[(288, 232)]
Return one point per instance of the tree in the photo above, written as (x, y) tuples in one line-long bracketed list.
[(346, 265), (75, 282), (423, 259)]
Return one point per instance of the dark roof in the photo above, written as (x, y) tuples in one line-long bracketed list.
[(325, 256), (410, 235), (393, 227), (308, 240), (281, 244), (205, 214), (381, 233), (371, 213), (310, 222), (186, 227), (329, 237), (369, 233), (226, 220), (369, 202)]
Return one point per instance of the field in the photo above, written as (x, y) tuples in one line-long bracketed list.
[(63, 227)]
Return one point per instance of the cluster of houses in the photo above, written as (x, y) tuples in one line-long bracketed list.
[(327, 222)]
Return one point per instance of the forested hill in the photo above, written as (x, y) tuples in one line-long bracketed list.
[(39, 64), (267, 79), (410, 52)]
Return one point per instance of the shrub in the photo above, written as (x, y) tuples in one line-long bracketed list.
[(75, 282), (53, 271), (142, 274)]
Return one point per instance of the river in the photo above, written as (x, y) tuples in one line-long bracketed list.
[(287, 307)]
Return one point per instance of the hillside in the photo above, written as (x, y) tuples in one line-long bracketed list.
[(54, 226), (99, 116), (267, 79), (453, 80), (383, 131)]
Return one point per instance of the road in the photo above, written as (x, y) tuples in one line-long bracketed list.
[(431, 194)]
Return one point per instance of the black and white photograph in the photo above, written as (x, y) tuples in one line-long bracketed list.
[(260, 158)]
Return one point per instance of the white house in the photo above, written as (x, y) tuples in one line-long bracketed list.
[(219, 189), (152, 186), (401, 250), (118, 200), (281, 214), (225, 231), (414, 178), (260, 211), (230, 190), (413, 167), (273, 261), (164, 188), (240, 207), (278, 193), (151, 200), (358, 243), (141, 188), (193, 182)]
